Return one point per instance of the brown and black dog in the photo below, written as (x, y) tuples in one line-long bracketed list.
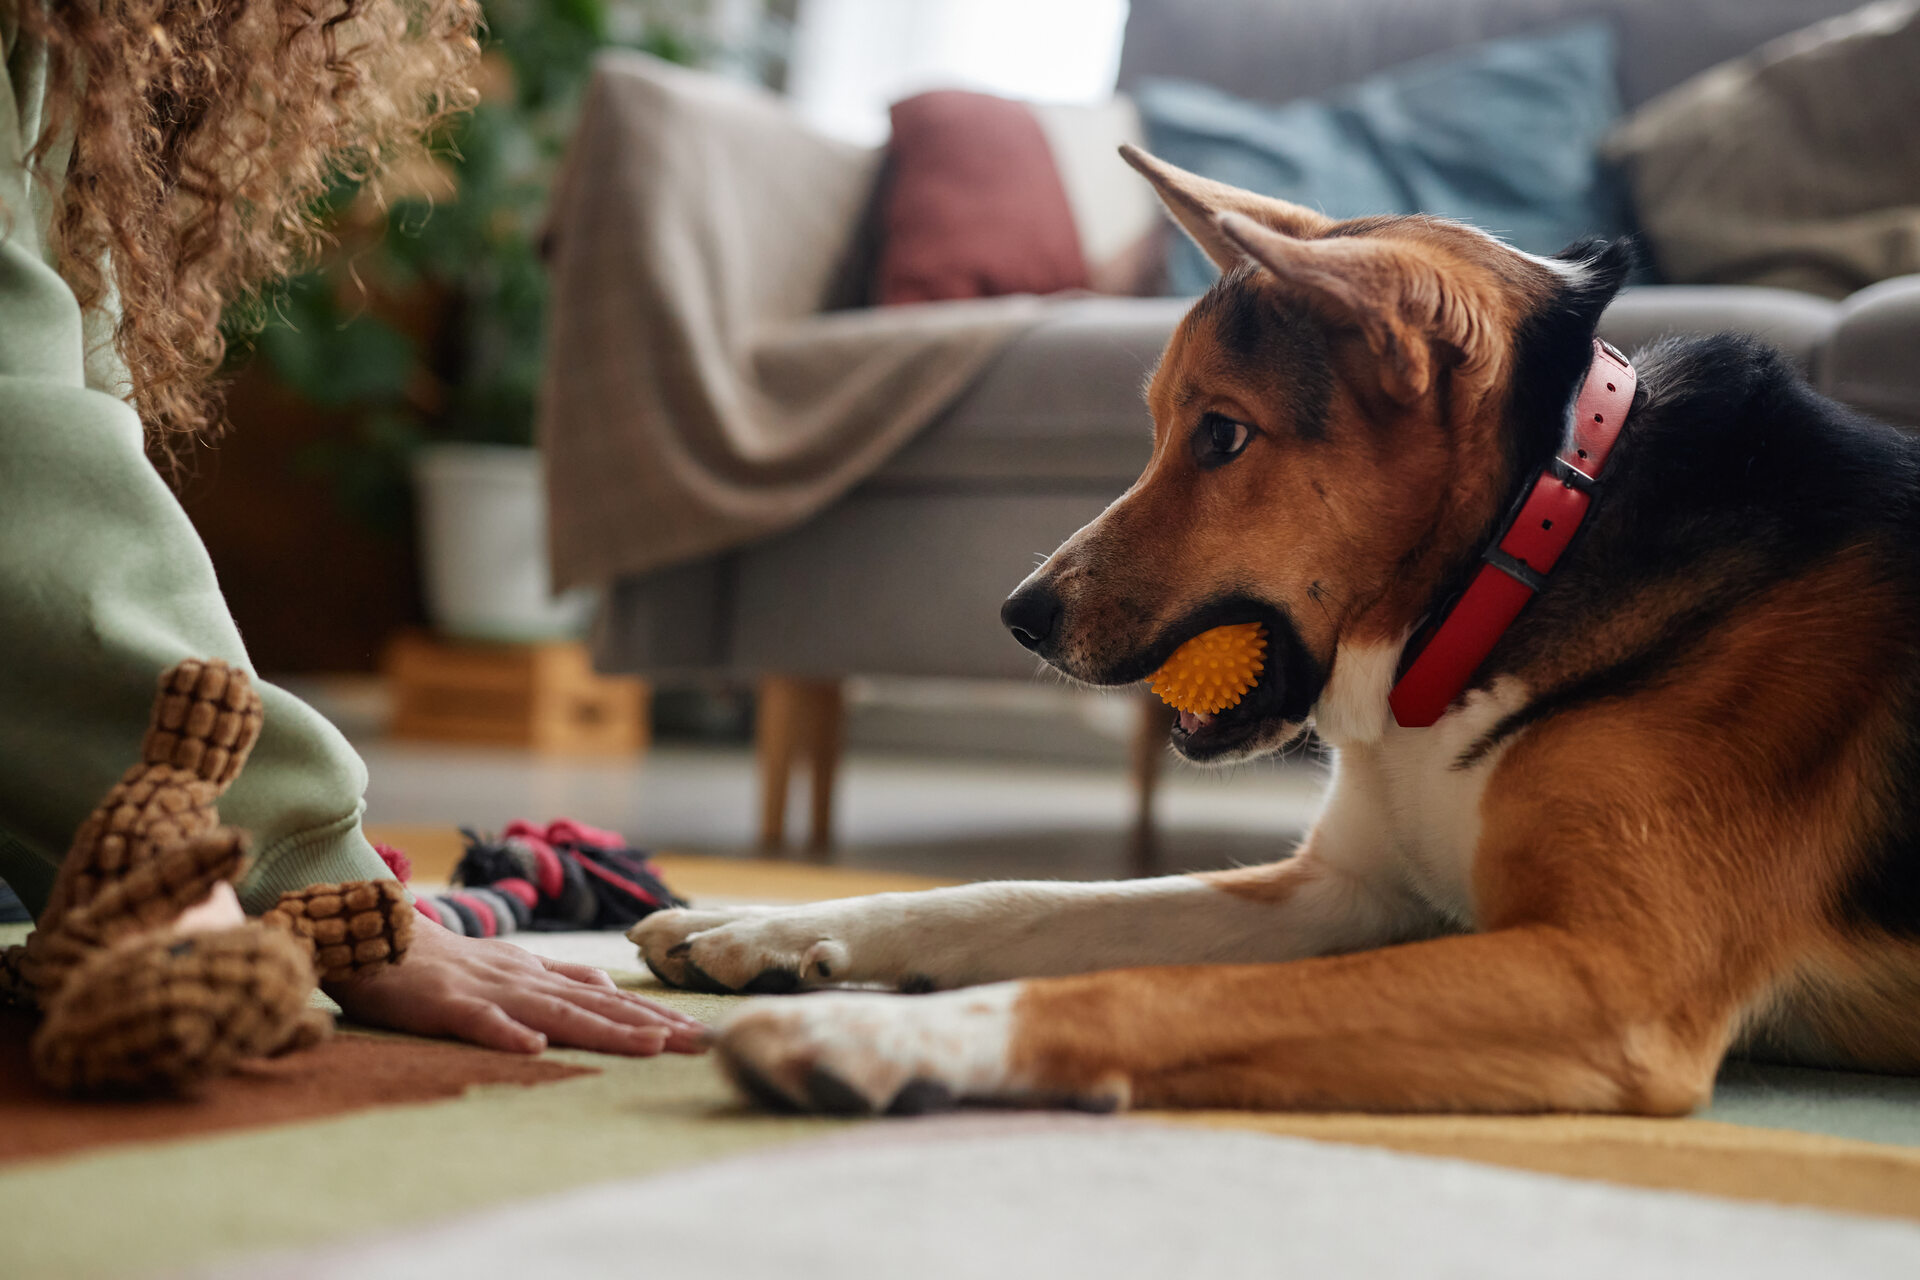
[(1676, 811)]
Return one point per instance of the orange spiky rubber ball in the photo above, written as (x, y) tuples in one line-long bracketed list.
[(1212, 671)]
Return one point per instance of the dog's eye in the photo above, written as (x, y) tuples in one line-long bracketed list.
[(1219, 440)]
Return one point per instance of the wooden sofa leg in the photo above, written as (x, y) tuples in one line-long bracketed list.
[(797, 719), (1149, 751), (825, 734), (776, 712)]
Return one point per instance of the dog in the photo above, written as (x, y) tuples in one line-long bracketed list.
[(1658, 801)]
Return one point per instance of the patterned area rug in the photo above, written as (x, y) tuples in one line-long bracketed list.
[(474, 1134), (1059, 1196)]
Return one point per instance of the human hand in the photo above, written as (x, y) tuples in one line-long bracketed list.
[(495, 994)]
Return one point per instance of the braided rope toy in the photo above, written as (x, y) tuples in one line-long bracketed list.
[(147, 973), (1213, 671), (566, 875)]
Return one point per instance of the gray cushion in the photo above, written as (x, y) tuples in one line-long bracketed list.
[(1277, 50), (1872, 363), (878, 584), (900, 584), (1061, 407), (1797, 323)]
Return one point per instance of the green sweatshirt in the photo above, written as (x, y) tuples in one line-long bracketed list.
[(103, 582)]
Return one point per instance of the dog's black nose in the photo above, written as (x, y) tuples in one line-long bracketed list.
[(1032, 613)]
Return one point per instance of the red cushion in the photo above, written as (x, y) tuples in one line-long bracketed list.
[(974, 206)]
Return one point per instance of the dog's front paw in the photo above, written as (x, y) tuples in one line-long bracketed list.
[(753, 951), (864, 1054), (859, 1054)]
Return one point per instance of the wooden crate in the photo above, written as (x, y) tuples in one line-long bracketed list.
[(546, 697)]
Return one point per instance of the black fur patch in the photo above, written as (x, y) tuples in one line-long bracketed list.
[(1259, 330), (1731, 476)]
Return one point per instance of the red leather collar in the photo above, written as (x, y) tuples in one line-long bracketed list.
[(1523, 553)]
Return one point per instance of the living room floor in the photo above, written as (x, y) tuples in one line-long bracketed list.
[(957, 816)]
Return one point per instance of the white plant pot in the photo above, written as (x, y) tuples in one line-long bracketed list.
[(483, 546)]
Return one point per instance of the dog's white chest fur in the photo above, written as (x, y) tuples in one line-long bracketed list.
[(1402, 804)]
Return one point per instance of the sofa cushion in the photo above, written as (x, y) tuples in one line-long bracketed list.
[(1116, 213), (1280, 49), (973, 205), (1504, 135), (1870, 363), (1061, 406), (1797, 165), (1797, 323)]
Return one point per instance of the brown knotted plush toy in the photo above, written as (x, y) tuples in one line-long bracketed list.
[(147, 973)]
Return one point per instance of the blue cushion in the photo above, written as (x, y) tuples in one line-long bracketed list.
[(1504, 135)]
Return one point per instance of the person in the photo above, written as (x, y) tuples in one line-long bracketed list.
[(158, 162)]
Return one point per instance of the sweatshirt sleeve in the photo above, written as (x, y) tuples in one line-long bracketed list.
[(103, 584)]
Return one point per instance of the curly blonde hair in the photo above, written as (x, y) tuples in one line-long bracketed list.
[(203, 133)]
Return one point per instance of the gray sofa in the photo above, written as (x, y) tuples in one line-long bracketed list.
[(905, 575)]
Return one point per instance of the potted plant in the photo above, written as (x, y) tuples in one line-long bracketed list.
[(422, 330)]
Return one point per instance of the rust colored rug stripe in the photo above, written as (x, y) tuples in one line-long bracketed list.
[(1777, 1166), (350, 1072)]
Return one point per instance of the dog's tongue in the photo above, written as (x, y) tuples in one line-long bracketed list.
[(1191, 721)]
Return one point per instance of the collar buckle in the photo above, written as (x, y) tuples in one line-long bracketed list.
[(1571, 476)]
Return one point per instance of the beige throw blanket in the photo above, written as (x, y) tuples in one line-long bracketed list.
[(697, 395)]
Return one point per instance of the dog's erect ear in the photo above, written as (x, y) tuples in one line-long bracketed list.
[(1196, 203), (1396, 301)]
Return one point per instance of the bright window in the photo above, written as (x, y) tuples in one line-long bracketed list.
[(852, 57)]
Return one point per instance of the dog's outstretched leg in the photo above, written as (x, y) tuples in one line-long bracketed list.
[(1525, 1019), (990, 932)]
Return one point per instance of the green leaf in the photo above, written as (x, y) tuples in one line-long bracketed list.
[(475, 253), (334, 360)]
